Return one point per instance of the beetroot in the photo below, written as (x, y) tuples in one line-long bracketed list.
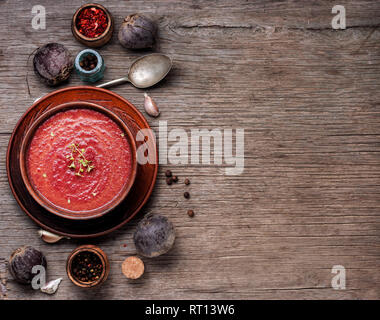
[(22, 262), (53, 63), (154, 236), (137, 32)]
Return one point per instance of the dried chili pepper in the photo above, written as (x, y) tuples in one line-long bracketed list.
[(92, 22)]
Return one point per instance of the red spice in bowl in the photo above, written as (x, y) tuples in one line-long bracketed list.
[(92, 22), (92, 25)]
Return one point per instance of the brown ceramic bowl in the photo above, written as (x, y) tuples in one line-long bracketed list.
[(122, 214), (104, 261), (63, 212), (93, 42)]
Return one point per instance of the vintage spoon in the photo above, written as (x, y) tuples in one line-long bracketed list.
[(145, 71)]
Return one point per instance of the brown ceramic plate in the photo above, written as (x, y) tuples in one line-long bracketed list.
[(126, 210), (62, 212)]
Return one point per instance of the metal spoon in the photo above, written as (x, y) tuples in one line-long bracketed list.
[(145, 71)]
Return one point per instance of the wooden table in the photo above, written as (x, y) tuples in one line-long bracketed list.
[(308, 98)]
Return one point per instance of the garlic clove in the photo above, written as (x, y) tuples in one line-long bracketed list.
[(52, 286), (150, 106), (49, 237)]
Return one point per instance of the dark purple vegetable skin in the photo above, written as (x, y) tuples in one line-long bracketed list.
[(137, 32), (53, 63), (154, 236), (22, 262)]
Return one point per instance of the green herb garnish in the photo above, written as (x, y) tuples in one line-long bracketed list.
[(81, 160)]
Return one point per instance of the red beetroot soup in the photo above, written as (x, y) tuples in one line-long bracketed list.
[(79, 160)]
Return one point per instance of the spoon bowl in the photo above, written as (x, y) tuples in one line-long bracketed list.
[(149, 70), (145, 72)]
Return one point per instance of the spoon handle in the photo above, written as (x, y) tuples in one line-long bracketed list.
[(113, 82)]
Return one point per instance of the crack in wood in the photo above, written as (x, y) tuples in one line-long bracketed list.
[(262, 28)]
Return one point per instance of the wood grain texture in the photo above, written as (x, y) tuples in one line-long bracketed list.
[(308, 98)]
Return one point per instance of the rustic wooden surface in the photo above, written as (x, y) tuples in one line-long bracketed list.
[(308, 98)]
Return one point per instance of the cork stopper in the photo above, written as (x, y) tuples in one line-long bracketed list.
[(133, 267)]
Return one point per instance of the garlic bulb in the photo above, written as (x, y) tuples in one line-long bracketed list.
[(49, 237), (52, 286), (150, 106)]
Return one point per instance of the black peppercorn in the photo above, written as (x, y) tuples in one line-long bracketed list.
[(169, 181), (87, 267), (186, 195), (175, 179), (89, 62), (168, 173)]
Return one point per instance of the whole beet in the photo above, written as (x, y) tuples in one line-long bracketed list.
[(22, 262), (154, 236), (53, 63), (137, 32)]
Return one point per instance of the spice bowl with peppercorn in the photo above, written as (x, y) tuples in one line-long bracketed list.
[(92, 25), (89, 65), (87, 266)]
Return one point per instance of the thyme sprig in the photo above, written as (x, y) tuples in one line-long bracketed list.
[(84, 164)]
